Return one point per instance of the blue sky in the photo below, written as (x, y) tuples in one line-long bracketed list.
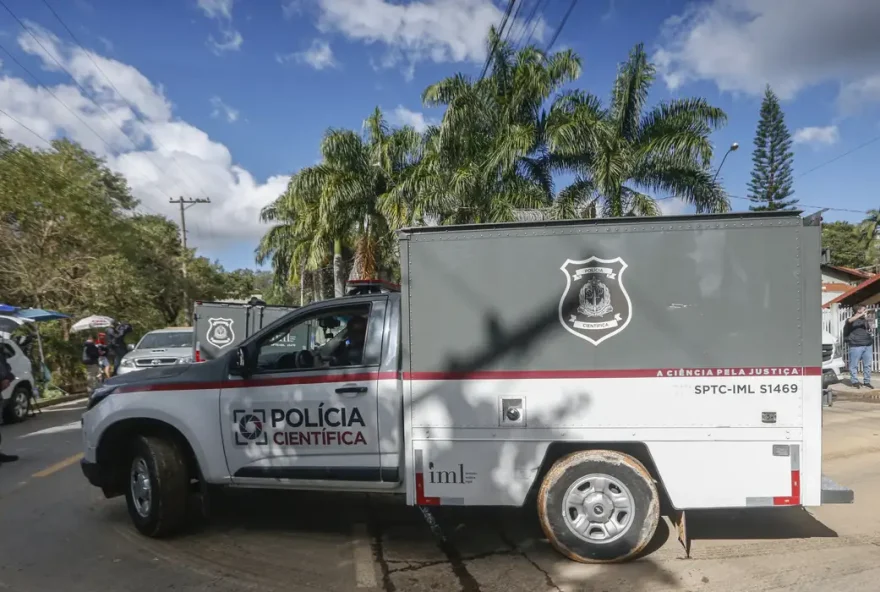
[(226, 98)]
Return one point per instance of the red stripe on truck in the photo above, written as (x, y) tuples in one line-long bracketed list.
[(421, 500), (628, 373), (795, 498), (258, 382), (479, 375)]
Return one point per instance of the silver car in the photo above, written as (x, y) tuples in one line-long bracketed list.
[(162, 347)]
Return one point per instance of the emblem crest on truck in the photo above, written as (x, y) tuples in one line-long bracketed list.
[(220, 333), (595, 304)]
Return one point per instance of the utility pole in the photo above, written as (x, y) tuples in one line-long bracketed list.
[(186, 204)]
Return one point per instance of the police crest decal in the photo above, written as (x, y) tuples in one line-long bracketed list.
[(595, 304), (220, 333)]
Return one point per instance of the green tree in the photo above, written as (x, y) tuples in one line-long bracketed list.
[(489, 156), (623, 153), (771, 184), (847, 245), (70, 240), (345, 200)]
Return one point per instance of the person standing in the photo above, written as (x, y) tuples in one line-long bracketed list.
[(859, 335), (90, 359), (6, 377), (116, 343)]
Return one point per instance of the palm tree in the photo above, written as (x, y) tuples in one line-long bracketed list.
[(621, 153), (345, 200), (296, 243), (488, 158)]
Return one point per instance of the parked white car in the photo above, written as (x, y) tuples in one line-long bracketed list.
[(14, 399), (163, 347)]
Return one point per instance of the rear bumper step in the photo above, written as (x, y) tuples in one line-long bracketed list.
[(832, 493)]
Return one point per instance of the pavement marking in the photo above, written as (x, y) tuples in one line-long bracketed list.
[(59, 466), (69, 427), (60, 409), (364, 572)]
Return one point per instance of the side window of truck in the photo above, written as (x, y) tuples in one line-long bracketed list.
[(331, 338)]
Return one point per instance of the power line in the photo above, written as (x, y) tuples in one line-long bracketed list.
[(800, 205), (51, 147), (838, 157), (113, 86), (54, 96), (500, 34), (561, 26), (47, 142), (529, 20), (538, 4)]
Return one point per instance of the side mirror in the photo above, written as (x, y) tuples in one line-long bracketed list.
[(130, 347), (241, 363)]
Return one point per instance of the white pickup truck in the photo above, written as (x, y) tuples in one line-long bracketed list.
[(597, 369)]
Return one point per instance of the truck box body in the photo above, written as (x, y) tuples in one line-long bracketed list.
[(220, 326), (701, 340)]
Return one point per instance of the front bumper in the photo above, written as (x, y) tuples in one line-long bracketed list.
[(829, 377), (94, 473)]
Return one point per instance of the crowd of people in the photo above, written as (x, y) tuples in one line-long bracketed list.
[(102, 354)]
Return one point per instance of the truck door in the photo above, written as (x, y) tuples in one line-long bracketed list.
[(310, 410)]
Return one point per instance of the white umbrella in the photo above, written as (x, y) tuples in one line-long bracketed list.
[(92, 322)]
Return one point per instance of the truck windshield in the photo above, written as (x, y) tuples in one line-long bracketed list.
[(166, 339)]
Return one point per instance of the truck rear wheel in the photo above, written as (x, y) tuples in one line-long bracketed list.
[(599, 506), (157, 488)]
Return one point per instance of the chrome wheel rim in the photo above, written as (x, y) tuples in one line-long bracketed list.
[(141, 487), (20, 404), (598, 508)]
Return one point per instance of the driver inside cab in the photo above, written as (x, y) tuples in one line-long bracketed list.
[(352, 351)]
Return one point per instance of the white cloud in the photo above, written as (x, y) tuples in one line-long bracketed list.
[(230, 40), (319, 56), (816, 136), (217, 8), (858, 93), (435, 30), (221, 109), (291, 8), (673, 206), (742, 45), (167, 157), (221, 11), (403, 116)]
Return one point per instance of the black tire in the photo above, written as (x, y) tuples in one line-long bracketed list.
[(169, 485), (645, 514), (16, 408)]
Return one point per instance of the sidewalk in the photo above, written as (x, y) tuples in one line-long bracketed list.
[(844, 391)]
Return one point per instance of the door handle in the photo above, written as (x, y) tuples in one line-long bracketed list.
[(351, 390)]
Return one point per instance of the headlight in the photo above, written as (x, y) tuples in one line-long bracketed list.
[(99, 394), (186, 360), (127, 363)]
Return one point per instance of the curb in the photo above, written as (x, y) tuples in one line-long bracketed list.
[(873, 397), (41, 403)]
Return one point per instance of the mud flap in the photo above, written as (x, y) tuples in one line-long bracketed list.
[(680, 520)]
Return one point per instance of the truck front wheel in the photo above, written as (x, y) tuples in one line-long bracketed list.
[(157, 487), (599, 506)]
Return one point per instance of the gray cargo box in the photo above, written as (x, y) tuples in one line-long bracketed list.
[(219, 326), (729, 290)]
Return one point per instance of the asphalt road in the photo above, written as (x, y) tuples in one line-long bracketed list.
[(58, 533)]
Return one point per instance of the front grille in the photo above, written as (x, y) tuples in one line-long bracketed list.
[(827, 352), (155, 362)]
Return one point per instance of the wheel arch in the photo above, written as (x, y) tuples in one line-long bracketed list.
[(637, 450), (115, 442)]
